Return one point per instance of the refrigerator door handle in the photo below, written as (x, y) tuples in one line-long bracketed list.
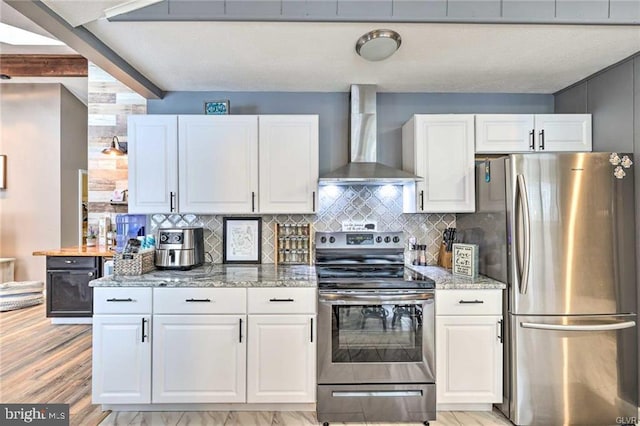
[(595, 327), (523, 212)]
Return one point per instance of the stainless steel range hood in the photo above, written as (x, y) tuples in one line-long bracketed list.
[(363, 168)]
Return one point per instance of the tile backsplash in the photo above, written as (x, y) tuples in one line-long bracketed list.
[(337, 204)]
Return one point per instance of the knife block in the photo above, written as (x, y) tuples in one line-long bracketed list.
[(444, 256)]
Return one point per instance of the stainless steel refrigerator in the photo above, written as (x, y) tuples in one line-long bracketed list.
[(559, 230)]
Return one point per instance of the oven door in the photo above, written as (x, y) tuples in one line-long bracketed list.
[(376, 336)]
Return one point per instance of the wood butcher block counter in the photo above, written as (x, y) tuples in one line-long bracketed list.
[(94, 251)]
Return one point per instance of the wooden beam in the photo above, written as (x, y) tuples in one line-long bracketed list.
[(43, 65)]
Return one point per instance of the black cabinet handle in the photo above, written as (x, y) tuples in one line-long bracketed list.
[(542, 140), (531, 143), (172, 202), (144, 322), (500, 330), (120, 300), (313, 201), (240, 330), (421, 200), (69, 261), (280, 300), (311, 330), (470, 301), (253, 201), (197, 300)]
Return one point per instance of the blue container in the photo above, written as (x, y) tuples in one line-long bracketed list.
[(129, 226)]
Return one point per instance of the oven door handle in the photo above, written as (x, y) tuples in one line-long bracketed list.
[(377, 298)]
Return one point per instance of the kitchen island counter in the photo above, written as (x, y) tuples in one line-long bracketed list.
[(98, 251), (218, 275), (445, 280)]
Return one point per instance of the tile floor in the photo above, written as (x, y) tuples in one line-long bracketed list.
[(297, 418)]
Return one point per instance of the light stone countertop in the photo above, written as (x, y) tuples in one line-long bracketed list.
[(218, 275), (445, 280)]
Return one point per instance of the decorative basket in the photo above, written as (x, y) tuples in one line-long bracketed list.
[(134, 264)]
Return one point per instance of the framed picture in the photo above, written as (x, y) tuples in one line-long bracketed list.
[(216, 107), (3, 172), (241, 240)]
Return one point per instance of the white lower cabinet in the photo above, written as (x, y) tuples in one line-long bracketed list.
[(199, 358), (469, 348), (200, 346), (281, 363), (121, 359)]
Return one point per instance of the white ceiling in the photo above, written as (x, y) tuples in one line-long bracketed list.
[(305, 56)]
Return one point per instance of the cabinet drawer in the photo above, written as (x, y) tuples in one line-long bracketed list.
[(199, 300), (282, 300), (469, 302), (72, 262), (122, 300)]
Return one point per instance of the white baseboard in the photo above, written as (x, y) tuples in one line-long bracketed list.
[(209, 407), (83, 320), (464, 407)]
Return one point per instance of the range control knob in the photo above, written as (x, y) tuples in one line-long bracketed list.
[(387, 239), (378, 239), (396, 239), (163, 238), (323, 239), (178, 238), (332, 240)]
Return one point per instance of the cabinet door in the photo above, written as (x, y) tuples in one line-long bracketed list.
[(69, 294), (501, 133), (153, 163), (563, 132), (448, 163), (468, 359), (288, 163), (281, 363), (121, 359), (199, 358), (218, 163)]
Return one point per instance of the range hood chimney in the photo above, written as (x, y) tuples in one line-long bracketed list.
[(363, 169)]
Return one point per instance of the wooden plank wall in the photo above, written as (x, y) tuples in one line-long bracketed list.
[(110, 103)]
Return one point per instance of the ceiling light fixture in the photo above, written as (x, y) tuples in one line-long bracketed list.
[(377, 45), (115, 149), (19, 37)]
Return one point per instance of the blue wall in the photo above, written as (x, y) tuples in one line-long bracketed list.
[(394, 109)]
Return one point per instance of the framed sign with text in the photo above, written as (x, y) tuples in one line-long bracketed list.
[(465, 260)]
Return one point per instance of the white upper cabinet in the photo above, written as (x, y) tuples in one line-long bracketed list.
[(153, 163), (498, 133), (223, 164), (440, 148), (218, 163), (505, 133), (288, 163), (563, 132)]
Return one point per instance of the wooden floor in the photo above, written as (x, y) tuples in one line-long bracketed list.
[(266, 418), (44, 363)]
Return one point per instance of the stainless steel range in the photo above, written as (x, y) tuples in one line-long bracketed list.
[(376, 323)]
